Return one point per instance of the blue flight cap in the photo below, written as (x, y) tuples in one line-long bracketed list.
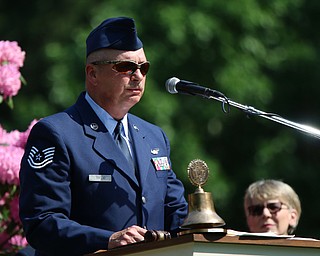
[(114, 33)]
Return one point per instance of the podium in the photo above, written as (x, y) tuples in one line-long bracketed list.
[(214, 244)]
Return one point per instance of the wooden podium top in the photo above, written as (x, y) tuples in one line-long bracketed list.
[(215, 240)]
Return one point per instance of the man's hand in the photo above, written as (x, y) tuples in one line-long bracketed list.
[(129, 235)]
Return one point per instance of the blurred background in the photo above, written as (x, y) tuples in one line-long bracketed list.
[(260, 53)]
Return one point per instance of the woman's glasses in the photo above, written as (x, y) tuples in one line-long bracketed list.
[(257, 209), (125, 66)]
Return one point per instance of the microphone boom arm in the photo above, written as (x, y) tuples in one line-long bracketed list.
[(270, 116)]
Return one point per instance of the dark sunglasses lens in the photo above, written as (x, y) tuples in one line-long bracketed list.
[(256, 210), (144, 68), (125, 66), (274, 207)]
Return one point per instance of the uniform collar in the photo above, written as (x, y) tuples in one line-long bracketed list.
[(108, 121)]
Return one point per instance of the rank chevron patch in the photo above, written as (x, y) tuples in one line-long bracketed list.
[(40, 158)]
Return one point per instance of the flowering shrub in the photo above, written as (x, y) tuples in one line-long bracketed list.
[(12, 146), (11, 60)]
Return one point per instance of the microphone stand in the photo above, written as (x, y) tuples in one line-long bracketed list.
[(270, 116)]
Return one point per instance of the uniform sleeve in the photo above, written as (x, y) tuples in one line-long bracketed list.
[(176, 206), (45, 198)]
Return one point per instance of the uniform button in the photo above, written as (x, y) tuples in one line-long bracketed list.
[(144, 200)]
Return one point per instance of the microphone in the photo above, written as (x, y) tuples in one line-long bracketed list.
[(175, 85)]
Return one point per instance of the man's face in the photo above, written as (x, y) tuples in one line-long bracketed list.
[(114, 91)]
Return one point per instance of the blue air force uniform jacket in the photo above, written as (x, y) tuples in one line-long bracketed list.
[(76, 189)]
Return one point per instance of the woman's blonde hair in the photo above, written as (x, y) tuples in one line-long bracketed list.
[(269, 189)]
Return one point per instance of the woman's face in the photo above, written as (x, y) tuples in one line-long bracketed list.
[(270, 216)]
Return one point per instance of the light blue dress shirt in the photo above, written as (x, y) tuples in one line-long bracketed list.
[(109, 122)]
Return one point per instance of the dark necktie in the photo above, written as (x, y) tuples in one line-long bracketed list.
[(123, 144)]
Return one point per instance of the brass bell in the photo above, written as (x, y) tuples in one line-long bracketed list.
[(201, 211)]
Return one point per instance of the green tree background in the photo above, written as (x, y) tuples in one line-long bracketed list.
[(260, 53)]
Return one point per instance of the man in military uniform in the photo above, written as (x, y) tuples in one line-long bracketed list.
[(95, 177)]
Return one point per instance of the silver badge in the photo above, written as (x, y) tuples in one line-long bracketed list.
[(155, 151), (94, 126), (100, 178), (135, 127)]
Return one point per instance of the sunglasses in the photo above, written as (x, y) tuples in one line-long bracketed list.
[(125, 66), (257, 209)]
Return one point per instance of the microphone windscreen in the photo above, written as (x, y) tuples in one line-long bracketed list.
[(171, 85)]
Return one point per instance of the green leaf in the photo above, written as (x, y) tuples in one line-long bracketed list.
[(9, 102), (23, 80)]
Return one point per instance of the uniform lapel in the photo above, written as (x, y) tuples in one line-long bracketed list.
[(141, 149), (106, 146), (103, 142)]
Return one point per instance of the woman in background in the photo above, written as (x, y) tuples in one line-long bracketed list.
[(271, 206)]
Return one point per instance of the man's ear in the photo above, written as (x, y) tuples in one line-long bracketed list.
[(91, 74)]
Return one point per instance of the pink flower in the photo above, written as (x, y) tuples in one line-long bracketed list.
[(9, 138), (24, 135), (18, 240), (11, 59), (14, 209), (11, 241), (15, 138), (10, 158), (11, 53), (12, 146), (10, 82), (11, 151), (4, 198)]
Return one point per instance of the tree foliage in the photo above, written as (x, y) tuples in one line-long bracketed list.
[(261, 53)]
